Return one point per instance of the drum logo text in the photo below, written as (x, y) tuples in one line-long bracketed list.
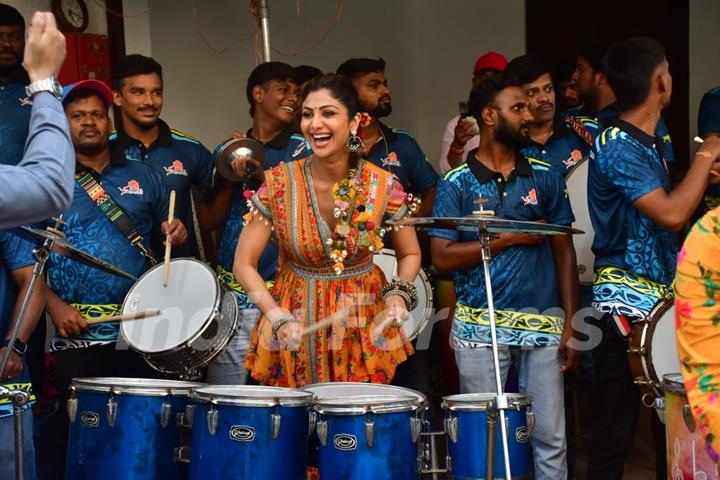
[(90, 419), (522, 435), (242, 433), (344, 441)]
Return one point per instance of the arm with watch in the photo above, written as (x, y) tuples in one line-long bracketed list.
[(41, 185), (22, 277)]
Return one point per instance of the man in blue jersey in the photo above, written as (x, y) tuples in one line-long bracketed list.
[(16, 265), (131, 190), (273, 95), (15, 104), (182, 161), (535, 282), (635, 215)]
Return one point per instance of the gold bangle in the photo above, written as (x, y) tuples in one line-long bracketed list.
[(704, 154)]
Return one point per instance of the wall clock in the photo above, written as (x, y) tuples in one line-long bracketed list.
[(71, 15)]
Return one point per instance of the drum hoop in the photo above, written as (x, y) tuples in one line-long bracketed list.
[(399, 391), (213, 313), (276, 396), (669, 384), (480, 402), (377, 404), (427, 310), (648, 330), (114, 385)]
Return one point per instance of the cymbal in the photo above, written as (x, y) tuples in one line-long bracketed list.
[(64, 248), (244, 148), (489, 223)]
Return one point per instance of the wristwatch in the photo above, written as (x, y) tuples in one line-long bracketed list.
[(20, 347), (49, 84)]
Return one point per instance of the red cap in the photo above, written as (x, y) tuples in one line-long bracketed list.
[(95, 85), (491, 60)]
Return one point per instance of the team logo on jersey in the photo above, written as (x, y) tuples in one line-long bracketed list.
[(25, 101), (530, 198), (177, 168), (391, 160), (575, 156), (132, 188)]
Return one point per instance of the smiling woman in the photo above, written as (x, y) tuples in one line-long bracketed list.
[(328, 315)]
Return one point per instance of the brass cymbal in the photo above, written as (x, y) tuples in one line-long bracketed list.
[(239, 148)]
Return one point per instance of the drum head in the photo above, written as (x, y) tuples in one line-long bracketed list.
[(483, 401), (577, 191), (251, 395), (145, 387), (385, 259), (663, 352), (186, 305), (349, 389), (673, 383)]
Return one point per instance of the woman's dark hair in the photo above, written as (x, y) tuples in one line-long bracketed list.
[(340, 88)]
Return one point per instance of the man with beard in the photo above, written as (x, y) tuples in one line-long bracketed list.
[(635, 215), (15, 104), (534, 277), (182, 161), (558, 141), (125, 189), (389, 148), (273, 95)]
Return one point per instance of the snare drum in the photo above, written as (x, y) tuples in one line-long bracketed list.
[(653, 350), (686, 454), (576, 182), (249, 432), (419, 317), (466, 417), (367, 433), (125, 428), (198, 317)]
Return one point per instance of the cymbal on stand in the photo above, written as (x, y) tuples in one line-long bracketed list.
[(247, 149)]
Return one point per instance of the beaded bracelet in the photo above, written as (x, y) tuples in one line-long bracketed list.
[(281, 320), (407, 290)]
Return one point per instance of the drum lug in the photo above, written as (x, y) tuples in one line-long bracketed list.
[(312, 418), (637, 350), (451, 428), (165, 412), (212, 420), (689, 420), (182, 455), (275, 425), (530, 416), (415, 428), (72, 405), (111, 411), (369, 431), (321, 427), (660, 409)]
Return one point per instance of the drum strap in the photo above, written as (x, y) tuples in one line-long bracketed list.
[(579, 129), (117, 216)]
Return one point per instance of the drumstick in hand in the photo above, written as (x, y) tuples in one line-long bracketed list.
[(335, 317), (168, 246), (389, 320), (125, 316)]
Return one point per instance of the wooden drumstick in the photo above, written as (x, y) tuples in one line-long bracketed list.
[(698, 140), (322, 324), (125, 316), (389, 320), (168, 246)]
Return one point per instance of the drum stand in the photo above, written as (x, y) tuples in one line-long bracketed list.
[(20, 397), (501, 400)]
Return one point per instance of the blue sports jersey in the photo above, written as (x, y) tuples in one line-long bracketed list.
[(16, 253), (571, 142), (15, 107), (140, 191), (182, 161), (524, 280), (286, 147), (399, 153), (639, 254)]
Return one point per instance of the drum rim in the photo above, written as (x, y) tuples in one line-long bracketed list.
[(282, 397), (377, 404), (216, 308), (147, 387), (479, 402), (419, 395), (672, 385), (428, 290)]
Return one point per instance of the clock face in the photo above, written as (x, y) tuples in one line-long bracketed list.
[(73, 12)]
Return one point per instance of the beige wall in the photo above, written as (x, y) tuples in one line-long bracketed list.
[(96, 12)]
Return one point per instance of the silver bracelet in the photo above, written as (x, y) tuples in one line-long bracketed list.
[(281, 320)]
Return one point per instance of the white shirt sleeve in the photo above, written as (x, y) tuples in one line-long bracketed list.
[(447, 139)]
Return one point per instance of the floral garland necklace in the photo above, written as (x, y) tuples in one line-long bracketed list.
[(350, 195)]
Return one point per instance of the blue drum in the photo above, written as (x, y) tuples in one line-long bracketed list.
[(367, 431), (249, 432), (466, 417), (125, 428)]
